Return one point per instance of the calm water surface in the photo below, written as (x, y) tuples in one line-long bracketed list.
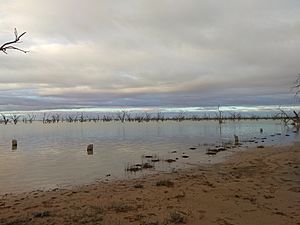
[(54, 155)]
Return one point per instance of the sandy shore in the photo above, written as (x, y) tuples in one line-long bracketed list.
[(259, 186)]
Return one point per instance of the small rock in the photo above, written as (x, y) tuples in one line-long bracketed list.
[(147, 166), (211, 151), (170, 160), (155, 160), (134, 168)]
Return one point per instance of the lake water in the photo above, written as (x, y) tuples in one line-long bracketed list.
[(54, 155)]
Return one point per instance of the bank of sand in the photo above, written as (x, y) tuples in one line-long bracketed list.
[(259, 186)]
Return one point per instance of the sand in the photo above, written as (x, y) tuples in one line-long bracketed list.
[(258, 186)]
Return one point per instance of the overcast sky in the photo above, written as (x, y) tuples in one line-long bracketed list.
[(149, 52)]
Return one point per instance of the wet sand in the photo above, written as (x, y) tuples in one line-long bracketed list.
[(258, 186)]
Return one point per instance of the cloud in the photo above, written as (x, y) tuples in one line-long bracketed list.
[(140, 52)]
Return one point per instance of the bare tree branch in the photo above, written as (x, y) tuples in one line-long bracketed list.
[(10, 45), (296, 86)]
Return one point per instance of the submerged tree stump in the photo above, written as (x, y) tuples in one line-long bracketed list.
[(14, 144), (90, 149), (236, 140)]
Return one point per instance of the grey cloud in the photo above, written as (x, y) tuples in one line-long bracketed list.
[(151, 52)]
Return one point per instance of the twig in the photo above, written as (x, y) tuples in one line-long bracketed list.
[(297, 86), (9, 45)]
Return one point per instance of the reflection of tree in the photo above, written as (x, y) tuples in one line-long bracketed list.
[(11, 44)]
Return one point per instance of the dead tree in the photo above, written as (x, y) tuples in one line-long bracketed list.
[(122, 115), (10, 45), (219, 115), (5, 119), (296, 86), (31, 117), (292, 117), (289, 119), (15, 118)]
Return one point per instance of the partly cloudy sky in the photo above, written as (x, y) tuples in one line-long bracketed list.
[(149, 53)]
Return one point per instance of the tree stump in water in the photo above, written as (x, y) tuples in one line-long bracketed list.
[(90, 149)]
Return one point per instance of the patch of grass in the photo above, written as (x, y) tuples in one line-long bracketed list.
[(41, 214), (166, 183), (176, 217), (97, 209), (150, 223), (180, 195), (138, 186), (88, 215), (15, 221), (139, 167), (118, 208)]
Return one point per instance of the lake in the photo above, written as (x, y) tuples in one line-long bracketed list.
[(54, 155)]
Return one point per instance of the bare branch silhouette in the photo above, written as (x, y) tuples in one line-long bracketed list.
[(10, 45), (296, 86)]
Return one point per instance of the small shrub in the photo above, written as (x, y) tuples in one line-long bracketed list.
[(122, 208), (166, 183), (138, 186), (177, 218), (41, 214)]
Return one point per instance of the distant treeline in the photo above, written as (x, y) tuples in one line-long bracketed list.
[(124, 116)]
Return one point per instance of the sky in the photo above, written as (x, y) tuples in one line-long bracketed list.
[(149, 53)]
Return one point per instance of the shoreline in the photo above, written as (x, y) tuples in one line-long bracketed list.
[(257, 186)]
